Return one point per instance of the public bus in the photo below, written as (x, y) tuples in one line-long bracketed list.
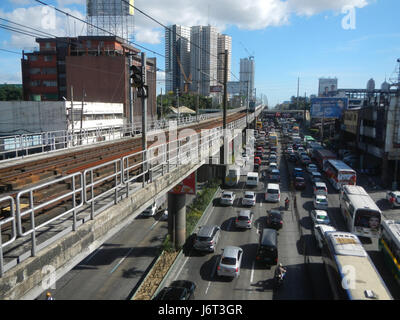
[(308, 139), (351, 272), (362, 215), (259, 125), (339, 173), (273, 139), (389, 244)]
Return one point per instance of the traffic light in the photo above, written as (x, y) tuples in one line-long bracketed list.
[(137, 76)]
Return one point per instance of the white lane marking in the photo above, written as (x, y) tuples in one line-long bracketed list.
[(252, 273), (212, 275), (154, 224), (88, 258), (120, 261), (180, 270)]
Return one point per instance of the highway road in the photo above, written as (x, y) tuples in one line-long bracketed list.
[(113, 271), (255, 281)]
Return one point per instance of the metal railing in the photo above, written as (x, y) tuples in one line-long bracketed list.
[(16, 146), (10, 219), (82, 187)]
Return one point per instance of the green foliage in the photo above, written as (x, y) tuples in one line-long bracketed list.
[(188, 100), (9, 92)]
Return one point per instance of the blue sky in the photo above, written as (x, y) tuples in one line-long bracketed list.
[(289, 39)]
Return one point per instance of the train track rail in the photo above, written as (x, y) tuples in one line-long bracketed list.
[(31, 173)]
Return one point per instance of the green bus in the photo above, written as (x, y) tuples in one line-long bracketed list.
[(389, 244)]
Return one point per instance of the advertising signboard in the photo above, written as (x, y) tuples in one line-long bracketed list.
[(215, 88), (186, 186), (328, 107)]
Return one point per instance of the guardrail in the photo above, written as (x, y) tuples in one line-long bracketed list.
[(17, 146), (10, 219), (159, 159)]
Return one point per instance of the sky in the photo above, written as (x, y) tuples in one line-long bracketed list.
[(291, 40)]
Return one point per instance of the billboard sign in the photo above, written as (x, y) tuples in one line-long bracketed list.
[(327, 87), (215, 88), (328, 107), (186, 186)]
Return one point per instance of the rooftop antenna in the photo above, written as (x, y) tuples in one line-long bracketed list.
[(208, 14)]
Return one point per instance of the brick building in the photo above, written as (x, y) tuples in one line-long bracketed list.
[(94, 66)]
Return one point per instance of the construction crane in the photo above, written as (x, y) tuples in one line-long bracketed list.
[(188, 80), (250, 55)]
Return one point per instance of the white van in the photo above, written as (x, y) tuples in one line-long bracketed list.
[(252, 179), (273, 193), (232, 177), (320, 189)]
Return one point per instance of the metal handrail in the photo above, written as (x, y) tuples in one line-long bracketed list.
[(196, 147), (32, 208), (10, 219)]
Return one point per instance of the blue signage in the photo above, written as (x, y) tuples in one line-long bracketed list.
[(328, 107)]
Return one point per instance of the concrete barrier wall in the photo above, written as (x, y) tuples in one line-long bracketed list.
[(25, 280)]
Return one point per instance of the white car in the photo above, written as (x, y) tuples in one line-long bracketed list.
[(320, 202), (150, 211), (272, 166), (227, 198), (319, 233), (249, 198), (312, 168), (164, 215), (230, 262), (394, 198), (319, 217)]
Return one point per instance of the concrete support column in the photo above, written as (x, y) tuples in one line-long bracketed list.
[(177, 219)]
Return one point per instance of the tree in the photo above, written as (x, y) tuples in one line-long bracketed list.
[(188, 100), (10, 92)]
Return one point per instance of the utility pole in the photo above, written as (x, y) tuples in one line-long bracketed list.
[(130, 81), (83, 103), (161, 110), (177, 103), (72, 114), (144, 114), (298, 86), (224, 146)]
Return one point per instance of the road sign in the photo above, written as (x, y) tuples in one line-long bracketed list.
[(187, 186)]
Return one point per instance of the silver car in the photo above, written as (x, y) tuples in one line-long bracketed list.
[(244, 219), (249, 198), (229, 264), (227, 198), (207, 238)]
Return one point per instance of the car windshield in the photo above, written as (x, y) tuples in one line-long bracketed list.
[(204, 238), (273, 191), (322, 200), (300, 179), (249, 196), (228, 261), (227, 196), (275, 215), (243, 218), (322, 217)]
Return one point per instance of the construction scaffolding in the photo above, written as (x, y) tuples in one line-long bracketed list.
[(114, 16)]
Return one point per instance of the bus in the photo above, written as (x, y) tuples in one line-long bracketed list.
[(233, 176), (339, 173), (273, 139), (308, 139), (389, 244), (351, 272), (362, 215), (259, 125)]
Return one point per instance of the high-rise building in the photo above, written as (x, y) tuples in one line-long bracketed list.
[(177, 57), (247, 72), (224, 43), (204, 58)]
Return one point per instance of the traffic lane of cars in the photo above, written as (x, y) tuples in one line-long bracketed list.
[(318, 282), (201, 268)]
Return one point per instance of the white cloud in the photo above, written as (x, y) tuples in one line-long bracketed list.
[(249, 15), (43, 19)]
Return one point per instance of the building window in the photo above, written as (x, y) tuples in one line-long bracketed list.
[(48, 45), (35, 83), (34, 71), (49, 71), (33, 58), (48, 58), (50, 83)]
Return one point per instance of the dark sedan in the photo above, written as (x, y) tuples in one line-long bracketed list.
[(178, 290), (274, 219), (299, 183)]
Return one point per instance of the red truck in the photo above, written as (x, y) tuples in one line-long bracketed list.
[(321, 155)]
